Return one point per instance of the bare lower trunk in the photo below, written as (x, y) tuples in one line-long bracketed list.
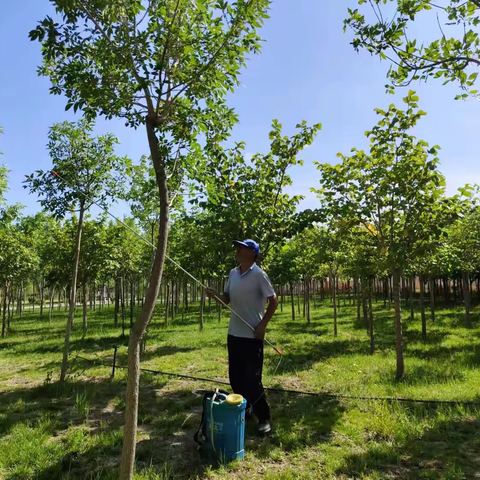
[(52, 297), (466, 293), (293, 301), (85, 299), (334, 297), (431, 289), (139, 327), (73, 295), (422, 307), (307, 293), (398, 323), (167, 304), (412, 311), (370, 311), (4, 315), (202, 308)]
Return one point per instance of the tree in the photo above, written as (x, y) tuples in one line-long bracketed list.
[(464, 239), (455, 58), (166, 66), (16, 260), (235, 190), (395, 191), (86, 171)]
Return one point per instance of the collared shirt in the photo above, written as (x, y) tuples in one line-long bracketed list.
[(248, 293)]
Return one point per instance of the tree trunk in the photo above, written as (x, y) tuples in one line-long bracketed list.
[(334, 298), (138, 329), (422, 307), (370, 311), (52, 297), (202, 308), (293, 301), (307, 293), (4, 314), (73, 294), (466, 293), (116, 307), (431, 288), (167, 304), (85, 305), (364, 305), (357, 293), (398, 323), (412, 311), (132, 301), (41, 286), (445, 291), (298, 298)]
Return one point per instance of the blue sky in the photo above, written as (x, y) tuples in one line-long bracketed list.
[(307, 71)]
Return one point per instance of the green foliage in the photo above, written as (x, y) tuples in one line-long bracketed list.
[(453, 59), (88, 170), (245, 198), (395, 191)]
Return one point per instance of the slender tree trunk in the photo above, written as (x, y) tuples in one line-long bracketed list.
[(281, 298), (52, 297), (398, 323), (41, 286), (85, 305), (4, 315), (307, 293), (364, 305), (412, 311), (138, 329), (370, 311), (73, 294), (298, 298), (357, 284), (445, 291), (466, 293), (116, 307), (422, 307), (132, 301), (59, 298), (431, 288), (167, 304), (334, 298), (202, 307), (293, 301)]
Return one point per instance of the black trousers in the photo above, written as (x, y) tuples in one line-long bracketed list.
[(245, 365)]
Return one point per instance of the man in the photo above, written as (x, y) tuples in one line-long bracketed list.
[(248, 290)]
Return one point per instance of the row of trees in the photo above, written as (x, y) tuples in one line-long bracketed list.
[(167, 66)]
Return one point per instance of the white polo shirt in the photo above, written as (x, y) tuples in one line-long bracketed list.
[(248, 293)]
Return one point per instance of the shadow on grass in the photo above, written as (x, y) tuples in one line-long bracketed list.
[(449, 450), (305, 355)]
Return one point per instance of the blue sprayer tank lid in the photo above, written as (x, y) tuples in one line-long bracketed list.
[(228, 427)]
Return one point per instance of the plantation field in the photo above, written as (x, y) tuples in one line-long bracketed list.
[(77, 433)]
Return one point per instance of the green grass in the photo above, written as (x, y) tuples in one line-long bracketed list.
[(76, 433)]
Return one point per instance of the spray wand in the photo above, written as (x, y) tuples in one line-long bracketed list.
[(172, 261)]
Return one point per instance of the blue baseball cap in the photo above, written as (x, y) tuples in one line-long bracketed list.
[(249, 243)]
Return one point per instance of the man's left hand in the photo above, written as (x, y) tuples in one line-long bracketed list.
[(260, 331)]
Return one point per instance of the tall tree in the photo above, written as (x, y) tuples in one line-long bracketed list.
[(395, 191), (166, 66), (454, 58), (86, 170)]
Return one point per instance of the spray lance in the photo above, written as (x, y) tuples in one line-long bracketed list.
[(57, 175)]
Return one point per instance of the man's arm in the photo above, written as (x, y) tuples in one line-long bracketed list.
[(262, 326)]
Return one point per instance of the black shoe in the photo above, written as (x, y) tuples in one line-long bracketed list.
[(265, 427)]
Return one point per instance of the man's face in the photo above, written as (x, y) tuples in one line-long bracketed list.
[(245, 255)]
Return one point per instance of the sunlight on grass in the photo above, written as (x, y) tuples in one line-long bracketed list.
[(76, 432)]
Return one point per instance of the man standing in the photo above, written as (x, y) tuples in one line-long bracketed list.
[(249, 290)]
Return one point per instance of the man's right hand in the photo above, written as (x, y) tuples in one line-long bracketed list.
[(211, 292)]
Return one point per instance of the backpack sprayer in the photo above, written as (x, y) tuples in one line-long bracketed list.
[(225, 435)]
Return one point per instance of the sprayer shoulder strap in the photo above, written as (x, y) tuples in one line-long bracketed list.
[(201, 434)]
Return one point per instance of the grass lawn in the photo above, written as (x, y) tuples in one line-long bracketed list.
[(77, 433)]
